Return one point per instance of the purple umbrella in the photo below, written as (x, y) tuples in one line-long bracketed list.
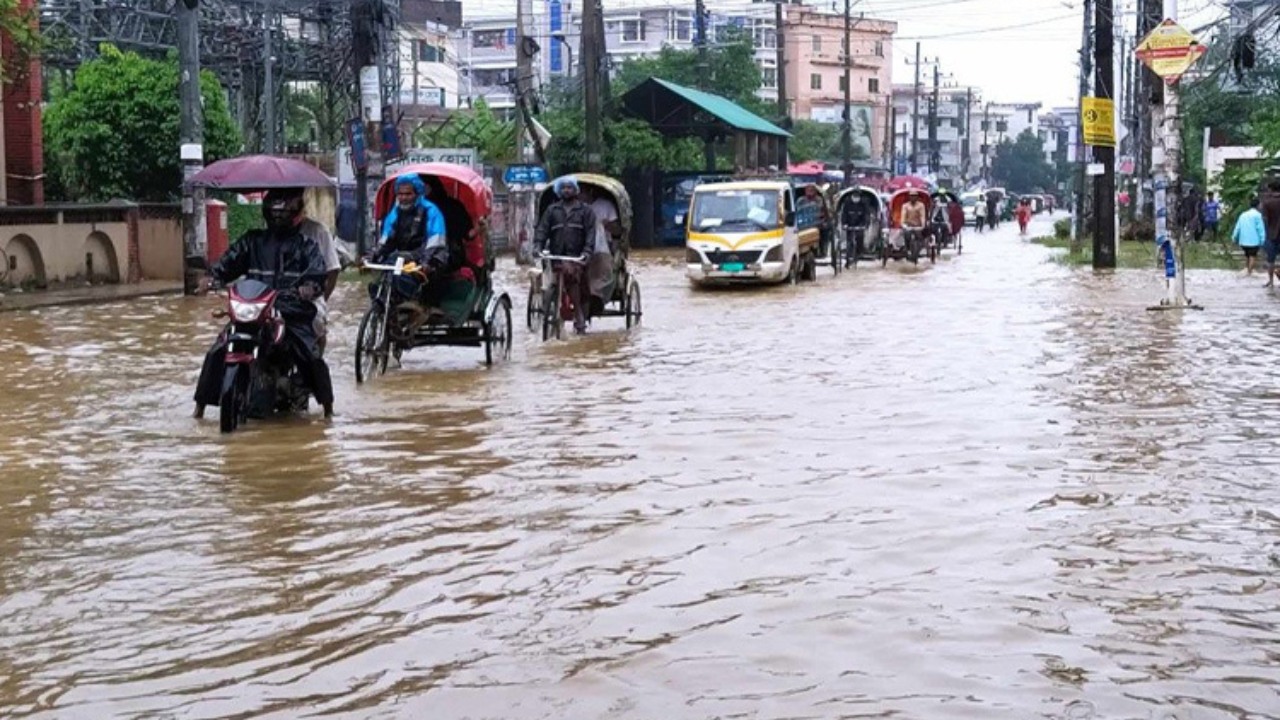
[(260, 172)]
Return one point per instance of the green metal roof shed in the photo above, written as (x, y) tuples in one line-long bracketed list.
[(677, 111)]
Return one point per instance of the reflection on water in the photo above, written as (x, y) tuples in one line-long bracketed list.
[(991, 488)]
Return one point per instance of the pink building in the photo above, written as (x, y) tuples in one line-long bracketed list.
[(815, 75)]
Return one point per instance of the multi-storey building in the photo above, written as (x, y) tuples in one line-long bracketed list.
[(816, 75)]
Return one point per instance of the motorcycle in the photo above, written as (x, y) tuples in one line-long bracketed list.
[(260, 376)]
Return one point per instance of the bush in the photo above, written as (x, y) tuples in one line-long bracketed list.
[(1138, 231), (1062, 229)]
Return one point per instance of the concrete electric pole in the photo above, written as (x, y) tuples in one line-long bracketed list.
[(191, 144), (1104, 185), (1082, 159), (780, 39), (591, 56)]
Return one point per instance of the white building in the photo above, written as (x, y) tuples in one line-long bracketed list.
[(428, 68), (958, 115), (487, 53)]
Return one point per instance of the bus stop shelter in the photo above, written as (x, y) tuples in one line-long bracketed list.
[(676, 111)]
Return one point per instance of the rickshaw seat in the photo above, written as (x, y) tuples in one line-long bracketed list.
[(459, 296)]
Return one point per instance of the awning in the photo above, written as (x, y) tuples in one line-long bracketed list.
[(677, 110)]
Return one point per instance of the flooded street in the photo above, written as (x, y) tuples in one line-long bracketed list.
[(994, 488)]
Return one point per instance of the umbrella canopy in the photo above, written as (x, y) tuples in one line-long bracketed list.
[(903, 182), (260, 172), (812, 167)]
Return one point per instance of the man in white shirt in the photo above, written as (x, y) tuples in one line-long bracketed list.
[(600, 270), (320, 235)]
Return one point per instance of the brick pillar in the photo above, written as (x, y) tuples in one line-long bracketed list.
[(23, 135), (134, 272)]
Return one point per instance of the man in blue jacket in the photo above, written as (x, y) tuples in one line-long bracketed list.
[(415, 228)]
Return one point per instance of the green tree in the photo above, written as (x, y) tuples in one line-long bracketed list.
[(1020, 165), (731, 62), (493, 138), (115, 133), (22, 28), (814, 141)]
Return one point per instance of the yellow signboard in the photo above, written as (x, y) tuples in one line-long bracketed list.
[(1170, 51), (1099, 115)]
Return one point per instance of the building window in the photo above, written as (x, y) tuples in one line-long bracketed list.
[(769, 77), (815, 82), (873, 85), (879, 48), (632, 31), (496, 39), (817, 43), (430, 53), (764, 37), (681, 28)]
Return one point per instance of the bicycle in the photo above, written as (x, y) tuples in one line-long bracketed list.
[(556, 302)]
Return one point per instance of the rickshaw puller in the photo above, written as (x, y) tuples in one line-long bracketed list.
[(568, 229), (416, 228)]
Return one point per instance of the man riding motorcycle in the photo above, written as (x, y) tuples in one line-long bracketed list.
[(281, 258)]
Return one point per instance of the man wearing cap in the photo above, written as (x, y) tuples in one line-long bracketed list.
[(568, 229), (415, 227)]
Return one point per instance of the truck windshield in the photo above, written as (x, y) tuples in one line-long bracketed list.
[(735, 210)]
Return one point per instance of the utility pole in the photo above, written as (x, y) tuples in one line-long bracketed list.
[(892, 153), (847, 133), (1104, 185), (268, 84), (780, 38), (1170, 177), (590, 55), (965, 149), (522, 200), (704, 79), (935, 159), (915, 117), (1082, 160), (365, 17), (1149, 103), (986, 128), (191, 144)]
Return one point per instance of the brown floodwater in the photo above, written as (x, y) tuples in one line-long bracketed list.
[(994, 488)]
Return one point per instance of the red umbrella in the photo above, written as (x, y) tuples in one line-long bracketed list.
[(260, 172), (904, 182)]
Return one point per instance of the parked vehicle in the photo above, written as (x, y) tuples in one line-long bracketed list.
[(473, 313), (860, 224), (750, 232), (677, 191)]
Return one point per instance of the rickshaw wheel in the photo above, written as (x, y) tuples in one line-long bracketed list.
[(371, 345), (836, 259), (498, 333), (793, 277), (552, 320), (810, 268), (933, 254), (884, 254), (533, 307), (634, 308)]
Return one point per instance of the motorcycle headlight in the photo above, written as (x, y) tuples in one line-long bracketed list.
[(692, 257), (245, 311), (774, 254)]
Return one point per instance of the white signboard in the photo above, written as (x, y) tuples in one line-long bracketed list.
[(427, 97), (454, 156), (371, 94)]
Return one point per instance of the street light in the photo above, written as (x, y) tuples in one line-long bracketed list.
[(560, 36)]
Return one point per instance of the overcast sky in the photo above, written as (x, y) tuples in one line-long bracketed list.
[(1015, 50)]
